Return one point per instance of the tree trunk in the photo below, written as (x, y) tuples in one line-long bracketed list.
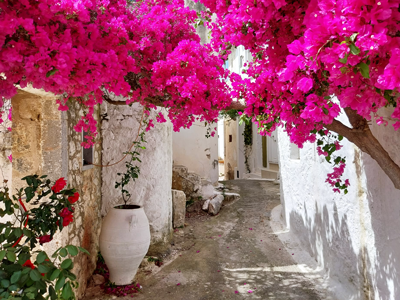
[(363, 138)]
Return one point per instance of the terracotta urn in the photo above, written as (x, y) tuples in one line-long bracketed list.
[(124, 241)]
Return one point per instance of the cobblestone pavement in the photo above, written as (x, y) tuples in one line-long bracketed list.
[(234, 255)]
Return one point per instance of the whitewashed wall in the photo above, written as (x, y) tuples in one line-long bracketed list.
[(153, 187), (199, 154), (355, 237)]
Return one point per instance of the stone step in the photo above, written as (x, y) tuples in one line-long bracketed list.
[(269, 174), (274, 167)]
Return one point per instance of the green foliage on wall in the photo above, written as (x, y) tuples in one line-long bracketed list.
[(248, 134)]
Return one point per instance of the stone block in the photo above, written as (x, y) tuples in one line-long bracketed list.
[(215, 204), (178, 208), (230, 197), (205, 205), (189, 183)]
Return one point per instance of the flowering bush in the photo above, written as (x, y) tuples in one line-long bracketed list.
[(25, 271), (86, 51), (310, 60)]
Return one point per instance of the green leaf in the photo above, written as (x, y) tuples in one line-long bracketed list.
[(387, 94), (354, 49), (2, 254), (364, 69), (15, 277), (344, 59), (52, 293), (17, 232), (67, 291), (43, 269), (84, 250), (35, 275), (60, 283), (353, 37), (13, 288), (51, 72), (30, 295), (344, 70), (63, 252), (55, 274), (66, 263), (11, 256), (5, 283), (41, 285), (73, 250), (340, 137), (41, 257)]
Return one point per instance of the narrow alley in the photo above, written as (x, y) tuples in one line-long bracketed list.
[(234, 255)]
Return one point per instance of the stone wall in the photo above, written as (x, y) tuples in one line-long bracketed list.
[(85, 230), (5, 148), (354, 237), (44, 142), (152, 189)]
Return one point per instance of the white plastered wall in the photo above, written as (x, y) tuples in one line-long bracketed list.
[(192, 149), (354, 237), (152, 189)]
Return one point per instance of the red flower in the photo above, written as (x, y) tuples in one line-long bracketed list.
[(74, 198), (67, 216), (45, 239), (59, 185), (29, 264)]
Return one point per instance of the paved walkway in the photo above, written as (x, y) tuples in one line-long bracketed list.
[(233, 255)]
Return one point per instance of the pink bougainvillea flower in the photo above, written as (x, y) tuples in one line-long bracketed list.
[(59, 185), (72, 199), (197, 251), (250, 291), (45, 239), (236, 292), (178, 284), (10, 157), (250, 228)]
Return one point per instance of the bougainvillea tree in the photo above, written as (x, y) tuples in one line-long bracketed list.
[(312, 59), (90, 50)]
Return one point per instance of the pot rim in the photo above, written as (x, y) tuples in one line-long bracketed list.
[(134, 208)]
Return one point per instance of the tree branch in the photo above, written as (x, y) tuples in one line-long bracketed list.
[(363, 138), (159, 101)]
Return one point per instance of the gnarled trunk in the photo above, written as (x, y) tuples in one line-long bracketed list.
[(363, 138)]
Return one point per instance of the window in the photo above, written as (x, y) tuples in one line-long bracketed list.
[(230, 138), (87, 154)]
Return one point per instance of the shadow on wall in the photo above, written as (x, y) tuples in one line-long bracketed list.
[(329, 242)]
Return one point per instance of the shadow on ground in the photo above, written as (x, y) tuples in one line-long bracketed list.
[(234, 255)]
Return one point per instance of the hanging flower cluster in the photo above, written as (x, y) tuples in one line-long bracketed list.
[(146, 51), (310, 59)]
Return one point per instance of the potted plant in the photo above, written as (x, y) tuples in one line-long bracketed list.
[(125, 234), (25, 272)]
